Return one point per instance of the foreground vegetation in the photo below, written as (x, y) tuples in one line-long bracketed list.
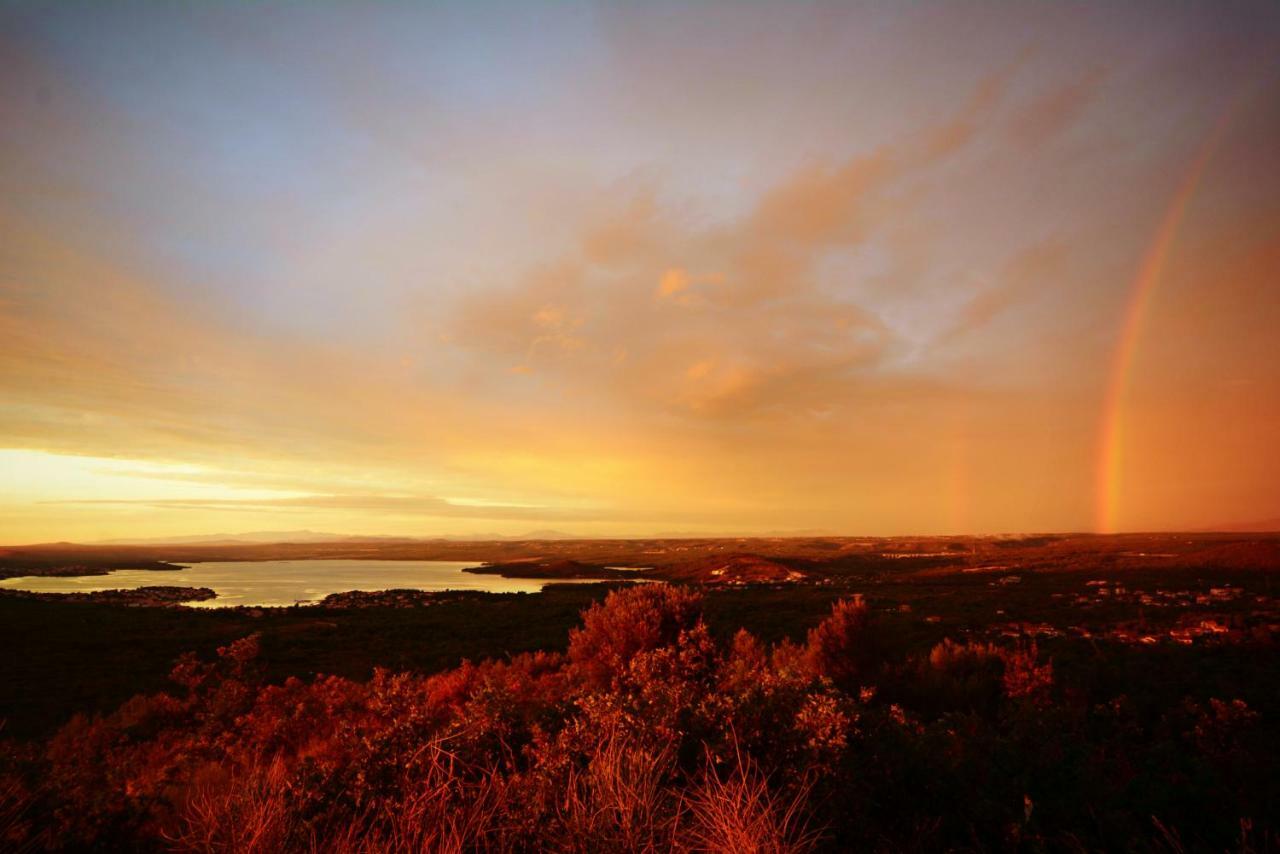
[(660, 727)]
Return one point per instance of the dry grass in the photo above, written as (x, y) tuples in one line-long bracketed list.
[(15, 808), (621, 800), (449, 807), (738, 812), (250, 814)]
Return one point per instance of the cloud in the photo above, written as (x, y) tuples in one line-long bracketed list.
[(673, 282), (1055, 110), (758, 335), (951, 136), (1027, 274), (401, 505)]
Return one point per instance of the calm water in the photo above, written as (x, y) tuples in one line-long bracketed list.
[(287, 582)]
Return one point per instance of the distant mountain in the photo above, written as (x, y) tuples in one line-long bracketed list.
[(739, 535), (307, 536), (254, 537), (1259, 526), (304, 536), (545, 534), (513, 538)]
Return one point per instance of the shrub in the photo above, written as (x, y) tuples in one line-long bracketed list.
[(843, 647), (1024, 677), (627, 623), (647, 735), (963, 676)]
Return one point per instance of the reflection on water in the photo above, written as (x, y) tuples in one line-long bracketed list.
[(287, 582)]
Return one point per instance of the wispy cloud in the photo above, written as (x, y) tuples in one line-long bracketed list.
[(407, 505)]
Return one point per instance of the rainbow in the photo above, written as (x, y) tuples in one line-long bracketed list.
[(1111, 430)]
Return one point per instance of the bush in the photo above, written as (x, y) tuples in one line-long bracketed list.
[(844, 647), (627, 623), (647, 735)]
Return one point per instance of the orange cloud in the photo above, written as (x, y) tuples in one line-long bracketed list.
[(1054, 111), (1026, 274), (765, 337)]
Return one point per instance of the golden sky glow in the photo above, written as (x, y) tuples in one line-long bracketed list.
[(608, 269)]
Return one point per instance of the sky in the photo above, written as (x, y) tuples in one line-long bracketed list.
[(636, 269)]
